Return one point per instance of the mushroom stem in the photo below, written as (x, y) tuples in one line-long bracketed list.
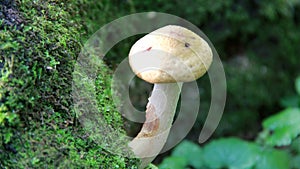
[(159, 117)]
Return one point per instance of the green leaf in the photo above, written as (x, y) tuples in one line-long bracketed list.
[(7, 137), (297, 85), (35, 160), (230, 153), (173, 163), (273, 159), (11, 117), (191, 152), (283, 136), (282, 127), (151, 166), (8, 45), (2, 117)]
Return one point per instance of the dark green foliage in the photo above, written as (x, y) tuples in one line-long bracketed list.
[(256, 40), (297, 85)]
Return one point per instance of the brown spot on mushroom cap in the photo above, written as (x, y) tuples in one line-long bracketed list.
[(187, 44), (148, 49), (177, 54)]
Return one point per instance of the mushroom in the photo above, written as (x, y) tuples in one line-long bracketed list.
[(166, 57)]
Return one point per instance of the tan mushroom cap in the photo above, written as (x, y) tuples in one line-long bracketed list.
[(170, 54)]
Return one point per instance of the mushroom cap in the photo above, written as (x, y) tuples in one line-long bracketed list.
[(170, 54)]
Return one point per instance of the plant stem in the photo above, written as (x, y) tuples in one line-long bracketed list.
[(159, 117)]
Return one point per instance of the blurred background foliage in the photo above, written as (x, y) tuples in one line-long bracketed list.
[(258, 42)]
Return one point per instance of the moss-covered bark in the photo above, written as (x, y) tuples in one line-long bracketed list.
[(40, 41)]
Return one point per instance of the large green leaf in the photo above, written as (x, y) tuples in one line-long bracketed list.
[(191, 152), (297, 84), (273, 159), (230, 153), (173, 163), (282, 127)]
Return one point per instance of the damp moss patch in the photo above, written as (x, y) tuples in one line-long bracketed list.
[(40, 41)]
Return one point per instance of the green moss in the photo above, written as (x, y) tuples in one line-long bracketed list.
[(104, 97), (39, 128), (59, 144)]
